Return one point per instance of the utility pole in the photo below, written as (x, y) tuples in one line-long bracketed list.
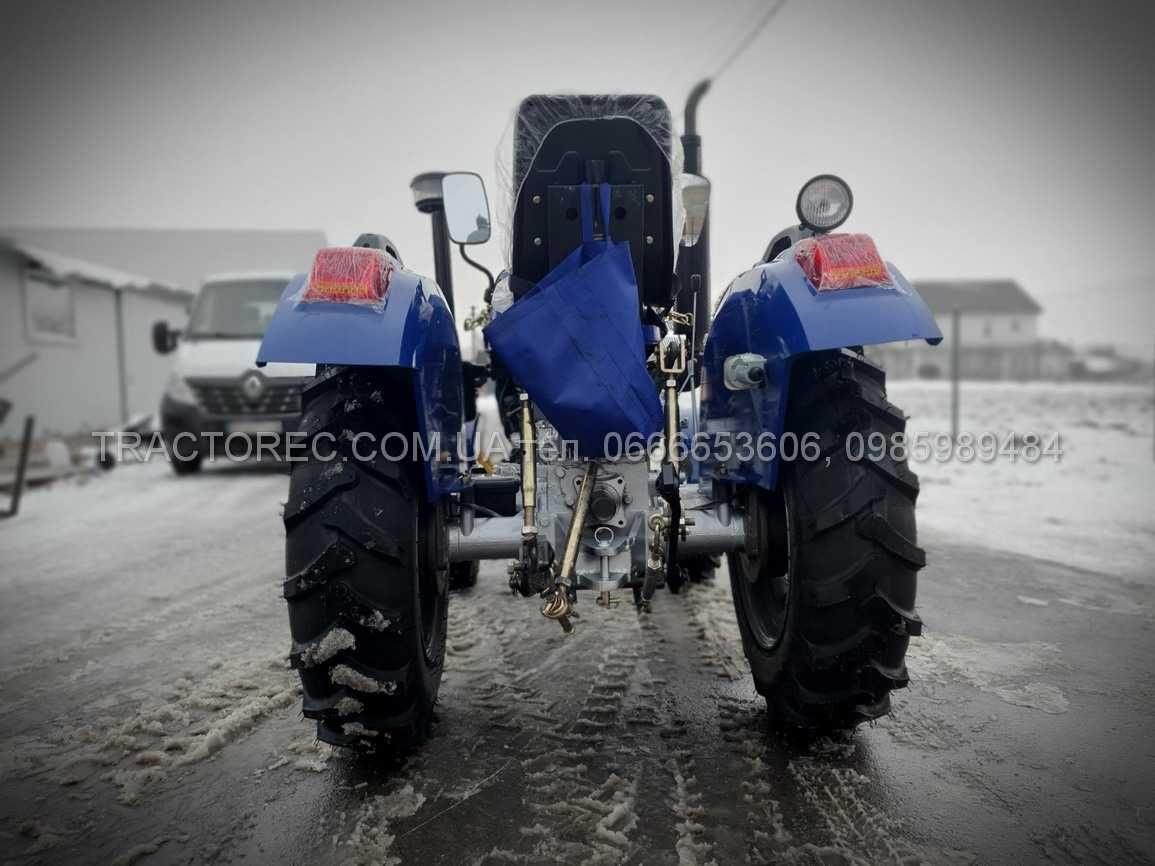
[(955, 372)]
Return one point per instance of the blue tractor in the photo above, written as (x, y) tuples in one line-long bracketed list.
[(650, 438)]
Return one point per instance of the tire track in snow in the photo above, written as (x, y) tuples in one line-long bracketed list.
[(372, 825), (137, 746), (693, 844), (578, 798), (1087, 845), (790, 786), (582, 798), (482, 649), (777, 770), (742, 722), (713, 624), (508, 704), (748, 798), (673, 815), (808, 804), (487, 703), (855, 829)]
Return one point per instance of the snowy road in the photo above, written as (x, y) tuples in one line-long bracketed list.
[(147, 714)]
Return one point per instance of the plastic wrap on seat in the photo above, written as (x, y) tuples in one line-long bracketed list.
[(527, 130), (846, 261)]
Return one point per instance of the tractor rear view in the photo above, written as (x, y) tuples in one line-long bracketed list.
[(651, 438)]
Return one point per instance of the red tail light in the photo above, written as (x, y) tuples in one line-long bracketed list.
[(841, 262), (349, 275)]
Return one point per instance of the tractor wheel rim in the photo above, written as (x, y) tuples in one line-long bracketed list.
[(766, 596), (429, 595)]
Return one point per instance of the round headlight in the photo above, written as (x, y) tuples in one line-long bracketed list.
[(824, 203)]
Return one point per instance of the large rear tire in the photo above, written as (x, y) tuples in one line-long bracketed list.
[(190, 466), (366, 582), (826, 600)]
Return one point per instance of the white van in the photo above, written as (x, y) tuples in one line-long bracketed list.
[(215, 388)]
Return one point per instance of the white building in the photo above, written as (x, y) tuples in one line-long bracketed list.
[(180, 257), (998, 333), (75, 341), (75, 321)]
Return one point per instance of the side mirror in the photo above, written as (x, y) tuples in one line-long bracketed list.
[(163, 337), (466, 207), (695, 201)]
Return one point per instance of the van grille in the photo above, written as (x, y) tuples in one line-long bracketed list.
[(227, 398)]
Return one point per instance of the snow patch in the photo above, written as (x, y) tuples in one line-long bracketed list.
[(1040, 509), (139, 852), (1105, 602), (43, 836), (201, 713), (989, 666), (335, 468), (335, 640), (343, 675), (234, 725), (376, 620), (349, 706), (1036, 602), (313, 755), (371, 838), (687, 806), (1035, 696)]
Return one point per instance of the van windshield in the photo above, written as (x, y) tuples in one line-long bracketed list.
[(239, 309)]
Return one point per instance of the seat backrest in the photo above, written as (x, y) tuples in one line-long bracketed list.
[(564, 141)]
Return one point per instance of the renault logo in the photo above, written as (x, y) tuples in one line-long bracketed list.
[(253, 386)]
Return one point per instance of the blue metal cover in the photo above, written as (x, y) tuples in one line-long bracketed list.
[(414, 330), (772, 310)]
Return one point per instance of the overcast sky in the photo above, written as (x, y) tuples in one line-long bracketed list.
[(982, 139)]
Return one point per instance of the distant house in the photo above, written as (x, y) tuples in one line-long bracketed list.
[(75, 346), (998, 333)]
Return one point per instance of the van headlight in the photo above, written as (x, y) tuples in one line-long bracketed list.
[(178, 390)]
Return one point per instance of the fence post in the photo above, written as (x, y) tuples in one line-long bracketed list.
[(21, 467)]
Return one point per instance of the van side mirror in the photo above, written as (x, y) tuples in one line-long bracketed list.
[(466, 207), (164, 338), (695, 202)]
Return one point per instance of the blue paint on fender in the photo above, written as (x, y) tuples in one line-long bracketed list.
[(772, 310), (414, 331)]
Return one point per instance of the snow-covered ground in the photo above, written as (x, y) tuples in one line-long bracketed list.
[(147, 710), (1092, 508)]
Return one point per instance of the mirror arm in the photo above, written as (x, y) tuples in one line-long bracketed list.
[(478, 266)]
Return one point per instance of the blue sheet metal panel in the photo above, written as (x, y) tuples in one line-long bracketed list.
[(322, 333), (415, 330), (772, 310), (438, 395)]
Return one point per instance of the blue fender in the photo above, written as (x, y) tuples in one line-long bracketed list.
[(414, 331), (773, 311)]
